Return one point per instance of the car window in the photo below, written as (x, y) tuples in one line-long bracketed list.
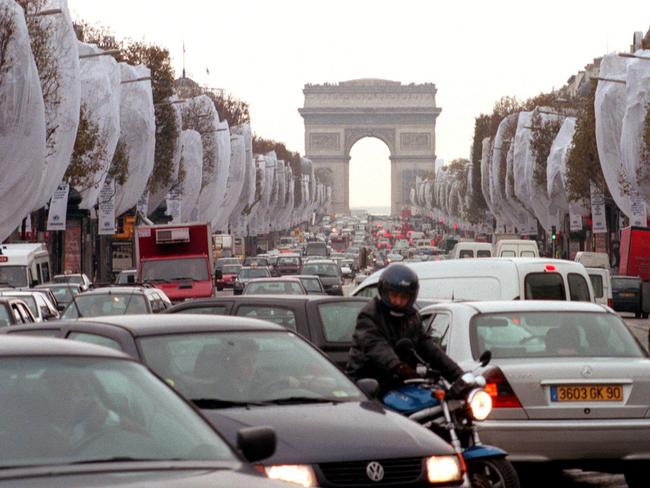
[(206, 310), (18, 313), (578, 288), (483, 253), (339, 320), (551, 334), (438, 329), (466, 253), (45, 270), (24, 312), (274, 288), (544, 286), (311, 284), (368, 291), (5, 318), (101, 304), (279, 315), (95, 339), (508, 254), (245, 366), (527, 254), (597, 285), (29, 300)]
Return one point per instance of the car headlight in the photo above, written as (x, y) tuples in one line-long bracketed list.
[(480, 404), (299, 474), (444, 469)]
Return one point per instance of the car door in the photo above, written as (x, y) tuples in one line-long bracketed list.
[(332, 323)]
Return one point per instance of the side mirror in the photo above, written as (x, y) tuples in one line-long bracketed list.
[(256, 443), (485, 358), (369, 386)]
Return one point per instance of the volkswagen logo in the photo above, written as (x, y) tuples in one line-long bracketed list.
[(587, 371), (375, 471)]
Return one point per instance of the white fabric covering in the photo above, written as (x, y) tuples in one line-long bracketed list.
[(100, 94), (192, 158), (62, 110), (138, 131), (636, 107), (609, 107), (22, 127), (236, 174), (214, 190)]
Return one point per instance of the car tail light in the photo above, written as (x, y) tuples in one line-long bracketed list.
[(549, 267), (610, 302), (500, 390)]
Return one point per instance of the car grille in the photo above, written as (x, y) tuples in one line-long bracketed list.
[(353, 473)]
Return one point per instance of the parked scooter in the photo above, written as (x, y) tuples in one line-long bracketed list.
[(433, 403)]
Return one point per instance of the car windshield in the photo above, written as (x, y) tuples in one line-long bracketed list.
[(78, 410), (15, 276), (295, 261), (29, 300), (175, 269), (231, 269), (311, 284), (246, 367), (274, 288), (63, 294), (326, 269), (626, 283), (254, 273), (101, 304), (552, 334)]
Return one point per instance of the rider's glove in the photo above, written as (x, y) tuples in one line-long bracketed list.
[(405, 372), (459, 388)]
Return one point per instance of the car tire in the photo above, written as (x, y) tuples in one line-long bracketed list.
[(637, 315), (219, 288), (492, 472), (636, 478), (644, 315)]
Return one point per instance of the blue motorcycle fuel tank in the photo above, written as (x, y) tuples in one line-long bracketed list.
[(409, 399)]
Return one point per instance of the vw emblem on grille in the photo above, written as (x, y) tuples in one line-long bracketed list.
[(375, 471), (587, 371)]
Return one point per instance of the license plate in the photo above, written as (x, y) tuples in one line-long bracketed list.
[(586, 393), (627, 294)]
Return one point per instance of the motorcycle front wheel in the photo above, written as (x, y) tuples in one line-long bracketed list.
[(492, 473)]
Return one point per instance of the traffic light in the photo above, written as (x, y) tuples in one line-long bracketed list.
[(553, 235)]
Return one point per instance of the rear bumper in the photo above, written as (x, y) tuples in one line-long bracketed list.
[(570, 441)]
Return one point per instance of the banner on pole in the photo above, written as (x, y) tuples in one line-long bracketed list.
[(598, 219), (56, 217), (174, 203), (106, 214), (639, 215)]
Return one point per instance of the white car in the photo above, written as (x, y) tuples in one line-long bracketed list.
[(569, 382), (42, 309), (76, 278)]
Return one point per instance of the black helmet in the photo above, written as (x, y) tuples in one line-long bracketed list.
[(399, 278)]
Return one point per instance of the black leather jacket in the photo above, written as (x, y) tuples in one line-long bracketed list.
[(373, 355)]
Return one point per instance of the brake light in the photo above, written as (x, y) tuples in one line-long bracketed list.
[(610, 303), (500, 390), (550, 267)]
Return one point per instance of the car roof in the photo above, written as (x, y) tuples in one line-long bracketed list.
[(149, 324), (273, 298), (521, 306), (314, 277), (320, 261), (275, 280), (126, 290), (57, 285), (11, 345)]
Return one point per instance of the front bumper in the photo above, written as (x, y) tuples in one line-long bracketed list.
[(569, 440)]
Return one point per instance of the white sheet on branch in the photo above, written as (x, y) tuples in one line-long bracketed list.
[(486, 167), (235, 183), (157, 197), (22, 125), (498, 174), (100, 96), (238, 221), (636, 162), (609, 107), (62, 103), (192, 161), (138, 132)]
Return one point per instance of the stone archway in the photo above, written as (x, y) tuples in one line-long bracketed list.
[(402, 116)]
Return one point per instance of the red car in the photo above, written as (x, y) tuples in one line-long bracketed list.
[(229, 273)]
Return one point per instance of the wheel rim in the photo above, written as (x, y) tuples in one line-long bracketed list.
[(486, 475)]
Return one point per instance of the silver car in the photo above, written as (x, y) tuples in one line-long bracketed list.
[(570, 383)]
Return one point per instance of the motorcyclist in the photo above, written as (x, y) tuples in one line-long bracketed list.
[(383, 322)]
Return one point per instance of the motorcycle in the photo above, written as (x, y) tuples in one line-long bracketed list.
[(432, 402)]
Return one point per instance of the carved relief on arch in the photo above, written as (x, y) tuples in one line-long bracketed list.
[(385, 134)]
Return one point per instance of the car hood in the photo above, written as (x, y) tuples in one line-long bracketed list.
[(319, 433), (128, 475)]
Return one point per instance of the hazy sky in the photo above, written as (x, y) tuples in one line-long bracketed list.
[(264, 51)]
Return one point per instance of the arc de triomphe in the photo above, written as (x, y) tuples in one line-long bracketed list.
[(403, 116)]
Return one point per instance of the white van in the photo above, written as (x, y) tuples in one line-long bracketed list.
[(516, 248), (597, 266), (470, 249), (24, 265), (495, 279)]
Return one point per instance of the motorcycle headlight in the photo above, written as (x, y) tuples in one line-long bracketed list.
[(480, 404), (444, 469), (299, 474)]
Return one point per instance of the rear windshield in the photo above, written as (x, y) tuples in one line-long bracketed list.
[(626, 283), (578, 288), (545, 286), (254, 273), (289, 261), (483, 254), (231, 269), (274, 288), (551, 334), (597, 285), (311, 284), (466, 253), (339, 320), (327, 269)]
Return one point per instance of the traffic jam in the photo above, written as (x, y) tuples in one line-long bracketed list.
[(358, 351)]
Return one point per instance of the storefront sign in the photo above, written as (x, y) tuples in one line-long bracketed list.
[(575, 222), (58, 208), (106, 213), (639, 214)]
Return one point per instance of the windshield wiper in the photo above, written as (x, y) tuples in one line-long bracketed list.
[(121, 459), (214, 403), (301, 399)]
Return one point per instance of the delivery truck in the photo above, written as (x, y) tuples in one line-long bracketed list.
[(635, 260), (177, 259)]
